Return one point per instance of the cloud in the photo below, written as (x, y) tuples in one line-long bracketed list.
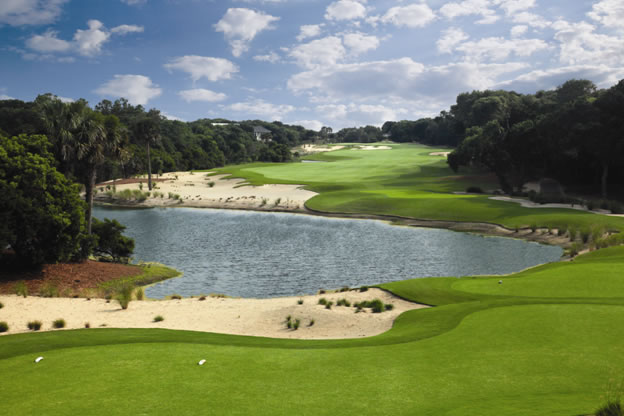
[(138, 89), (308, 124), (65, 99), (545, 79), (262, 108), (359, 43), (512, 7), (414, 15), (609, 13), (530, 19), (361, 114), (345, 10), (401, 78), (579, 44), (48, 42), (171, 117), (498, 49), (450, 38), (240, 27), (213, 69), (201, 94), (270, 57), (470, 7), (518, 31), (319, 52), (30, 12), (125, 29), (6, 97), (87, 42), (134, 2), (309, 31)]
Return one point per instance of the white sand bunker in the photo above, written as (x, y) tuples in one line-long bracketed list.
[(313, 148), (256, 317), (444, 154), (372, 148), (197, 189)]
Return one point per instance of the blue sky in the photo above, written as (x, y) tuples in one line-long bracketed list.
[(311, 62)]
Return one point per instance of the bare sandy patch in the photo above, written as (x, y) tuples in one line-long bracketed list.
[(530, 204), (255, 317), (313, 148), (444, 154), (372, 148), (197, 189)]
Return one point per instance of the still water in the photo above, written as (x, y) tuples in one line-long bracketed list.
[(263, 255)]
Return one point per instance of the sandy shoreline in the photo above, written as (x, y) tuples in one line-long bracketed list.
[(254, 317), (200, 190)]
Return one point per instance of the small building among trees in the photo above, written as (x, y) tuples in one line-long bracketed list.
[(262, 134)]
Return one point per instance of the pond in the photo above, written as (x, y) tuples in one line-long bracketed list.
[(263, 255)]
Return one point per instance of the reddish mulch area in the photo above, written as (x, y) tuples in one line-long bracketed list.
[(131, 180), (67, 277)]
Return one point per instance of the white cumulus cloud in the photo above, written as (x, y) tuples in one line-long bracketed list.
[(450, 39), (499, 49), (124, 29), (89, 42), (319, 52), (609, 13), (359, 43), (138, 89), (345, 10), (470, 7), (30, 12), (48, 42), (213, 69), (262, 109), (414, 15), (200, 94), (240, 26), (271, 57), (309, 31)]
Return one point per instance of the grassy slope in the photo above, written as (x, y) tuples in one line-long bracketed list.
[(544, 342)]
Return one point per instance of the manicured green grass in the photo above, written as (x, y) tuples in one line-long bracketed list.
[(477, 353), (547, 341), (407, 182)]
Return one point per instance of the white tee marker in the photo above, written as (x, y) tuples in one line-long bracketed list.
[(202, 362), (38, 359)]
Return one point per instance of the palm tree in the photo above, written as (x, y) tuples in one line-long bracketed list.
[(59, 121), (147, 130)]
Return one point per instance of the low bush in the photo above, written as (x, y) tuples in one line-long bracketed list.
[(300, 302), (49, 290), (311, 322), (110, 241), (364, 289), (1, 305), (202, 298), (322, 301), (124, 296), (211, 184), (474, 190), (388, 306), (4, 327), (176, 297), (158, 318), (343, 302), (345, 289), (59, 323), (612, 408), (139, 294), (34, 325), (376, 305), (328, 305), (296, 324), (87, 325), (21, 289)]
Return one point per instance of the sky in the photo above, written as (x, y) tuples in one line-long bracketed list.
[(315, 63)]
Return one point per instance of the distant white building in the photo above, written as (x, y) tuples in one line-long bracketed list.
[(262, 134)]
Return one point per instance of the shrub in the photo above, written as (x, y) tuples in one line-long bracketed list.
[(364, 289), (87, 325), (176, 297), (211, 184), (124, 296), (328, 305), (474, 190), (59, 323), (345, 289), (158, 318), (4, 327), (300, 302), (322, 301), (585, 235), (264, 202), (343, 302), (1, 305), (388, 306), (311, 322), (139, 294), (612, 408), (141, 186), (202, 298), (322, 292), (34, 325), (277, 201), (296, 324), (49, 290), (110, 241), (21, 289)]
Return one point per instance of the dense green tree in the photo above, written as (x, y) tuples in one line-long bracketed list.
[(41, 213), (110, 241)]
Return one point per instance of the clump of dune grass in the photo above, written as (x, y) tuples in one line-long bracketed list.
[(343, 302), (322, 301), (124, 296), (300, 302), (139, 294), (296, 324), (1, 305), (311, 322), (59, 323), (34, 325), (158, 318), (611, 408), (328, 305), (49, 290), (175, 297), (4, 327), (21, 289)]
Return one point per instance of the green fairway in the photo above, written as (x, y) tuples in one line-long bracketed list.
[(545, 341), (478, 352), (408, 182)]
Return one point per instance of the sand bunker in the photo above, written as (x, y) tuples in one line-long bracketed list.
[(256, 317), (445, 154), (313, 148), (372, 148), (530, 204), (199, 190)]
